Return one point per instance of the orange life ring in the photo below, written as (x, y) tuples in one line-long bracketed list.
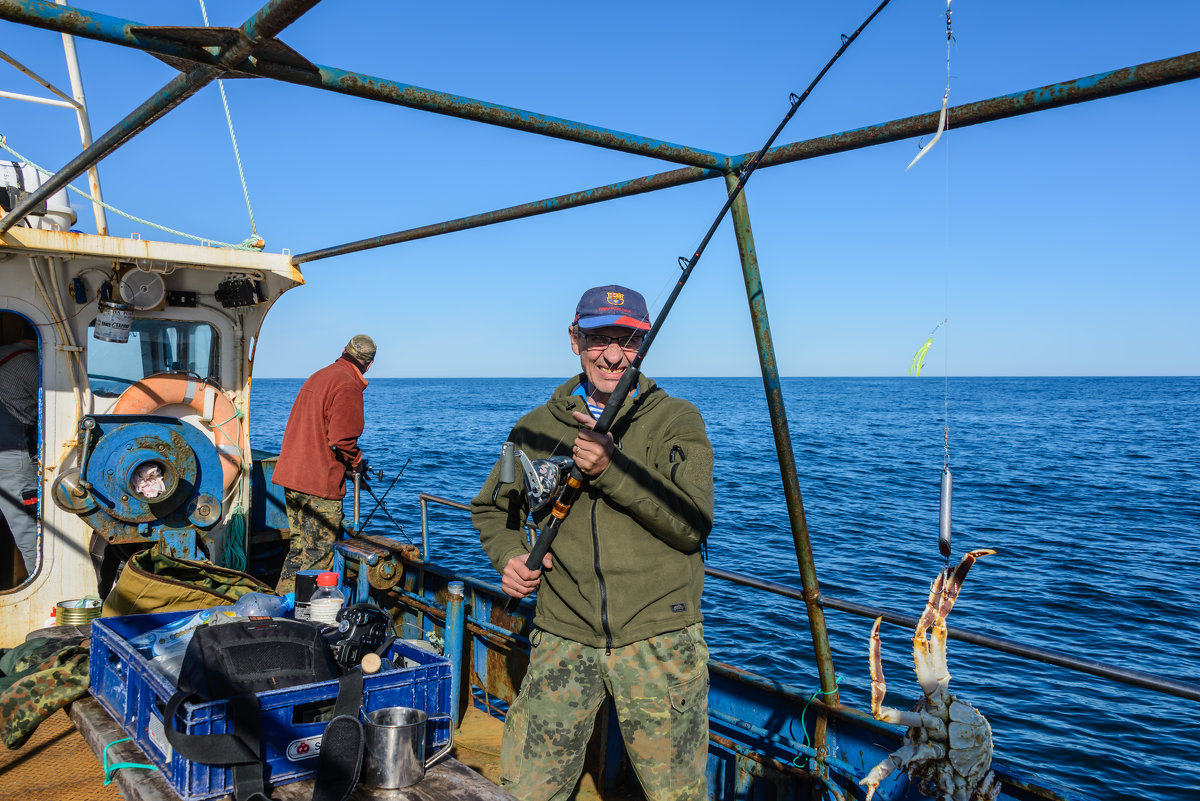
[(155, 393)]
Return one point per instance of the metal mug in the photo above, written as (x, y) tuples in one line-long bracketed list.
[(394, 753)]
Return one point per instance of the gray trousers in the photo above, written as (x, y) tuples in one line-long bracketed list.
[(18, 476)]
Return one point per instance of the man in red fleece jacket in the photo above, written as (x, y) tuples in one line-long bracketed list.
[(319, 443)]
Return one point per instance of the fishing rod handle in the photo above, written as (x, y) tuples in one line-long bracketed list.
[(562, 506)]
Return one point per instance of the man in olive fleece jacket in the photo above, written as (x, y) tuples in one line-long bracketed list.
[(618, 603)]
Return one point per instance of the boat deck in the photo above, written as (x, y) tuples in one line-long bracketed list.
[(62, 761), (54, 765)]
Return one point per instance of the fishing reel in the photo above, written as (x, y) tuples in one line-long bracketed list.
[(543, 478), (362, 629)]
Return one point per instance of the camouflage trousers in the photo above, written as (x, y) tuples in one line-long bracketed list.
[(316, 524), (660, 689)]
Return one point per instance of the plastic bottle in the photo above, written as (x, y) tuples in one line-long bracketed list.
[(260, 604), (326, 600), (169, 665)]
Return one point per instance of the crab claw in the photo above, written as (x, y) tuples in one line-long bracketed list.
[(945, 589), (929, 654)]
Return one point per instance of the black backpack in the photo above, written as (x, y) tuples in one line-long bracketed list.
[(235, 660)]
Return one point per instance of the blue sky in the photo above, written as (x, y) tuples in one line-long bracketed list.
[(1058, 243)]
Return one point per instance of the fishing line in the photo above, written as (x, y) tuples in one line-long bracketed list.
[(945, 95), (918, 361), (946, 500)]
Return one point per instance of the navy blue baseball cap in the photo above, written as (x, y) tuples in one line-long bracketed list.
[(612, 305)]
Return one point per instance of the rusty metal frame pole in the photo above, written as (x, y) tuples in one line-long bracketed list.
[(268, 21), (126, 33), (1080, 90), (756, 297)]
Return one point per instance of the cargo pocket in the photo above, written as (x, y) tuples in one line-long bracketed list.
[(689, 740), (686, 696)]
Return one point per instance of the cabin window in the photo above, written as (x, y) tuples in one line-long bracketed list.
[(154, 346)]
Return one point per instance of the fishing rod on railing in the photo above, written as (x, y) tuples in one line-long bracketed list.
[(575, 480)]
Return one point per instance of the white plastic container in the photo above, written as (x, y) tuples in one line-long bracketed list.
[(326, 600)]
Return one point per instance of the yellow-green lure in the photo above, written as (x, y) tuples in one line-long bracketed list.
[(918, 360)]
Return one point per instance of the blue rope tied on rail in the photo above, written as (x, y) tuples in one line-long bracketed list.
[(110, 770)]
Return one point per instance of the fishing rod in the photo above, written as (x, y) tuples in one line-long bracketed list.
[(575, 482), (379, 501)]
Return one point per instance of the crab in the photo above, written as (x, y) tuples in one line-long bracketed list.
[(948, 746)]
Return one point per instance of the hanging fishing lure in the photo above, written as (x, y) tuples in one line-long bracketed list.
[(918, 359), (945, 96)]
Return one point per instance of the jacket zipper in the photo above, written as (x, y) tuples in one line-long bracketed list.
[(600, 579)]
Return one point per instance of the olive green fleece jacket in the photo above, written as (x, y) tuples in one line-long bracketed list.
[(627, 562)]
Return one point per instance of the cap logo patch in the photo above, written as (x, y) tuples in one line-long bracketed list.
[(616, 298)]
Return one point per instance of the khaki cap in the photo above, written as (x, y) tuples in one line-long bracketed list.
[(361, 347)]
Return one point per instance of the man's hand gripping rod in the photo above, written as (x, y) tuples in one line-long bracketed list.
[(576, 479)]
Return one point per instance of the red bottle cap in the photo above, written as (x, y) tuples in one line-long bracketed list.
[(329, 579)]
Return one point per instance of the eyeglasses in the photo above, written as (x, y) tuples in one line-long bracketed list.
[(631, 342)]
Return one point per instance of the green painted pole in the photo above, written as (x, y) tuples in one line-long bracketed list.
[(783, 447)]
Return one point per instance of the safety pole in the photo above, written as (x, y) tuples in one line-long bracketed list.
[(786, 456), (455, 625)]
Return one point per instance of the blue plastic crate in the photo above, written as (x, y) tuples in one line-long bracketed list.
[(292, 719)]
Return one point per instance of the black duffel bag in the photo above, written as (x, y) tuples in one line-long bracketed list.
[(234, 661)]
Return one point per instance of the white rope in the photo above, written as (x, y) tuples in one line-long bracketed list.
[(233, 137), (249, 244)]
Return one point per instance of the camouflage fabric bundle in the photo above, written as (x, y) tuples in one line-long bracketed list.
[(154, 581), (39, 677)]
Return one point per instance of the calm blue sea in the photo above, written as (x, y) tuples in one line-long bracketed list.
[(1089, 489)]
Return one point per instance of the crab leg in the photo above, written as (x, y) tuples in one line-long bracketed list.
[(879, 687), (897, 760)]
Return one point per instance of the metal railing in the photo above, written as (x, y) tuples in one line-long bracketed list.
[(1133, 678)]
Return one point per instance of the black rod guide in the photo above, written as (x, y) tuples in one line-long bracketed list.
[(576, 480)]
